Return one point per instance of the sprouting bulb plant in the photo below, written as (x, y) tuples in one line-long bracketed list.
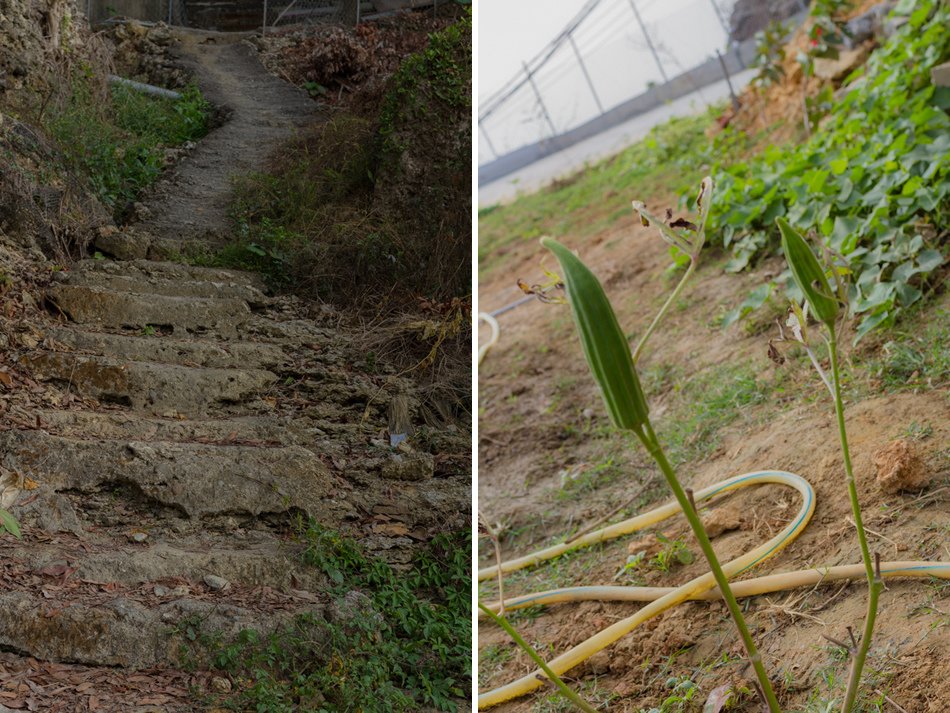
[(613, 366), (685, 236), (826, 305)]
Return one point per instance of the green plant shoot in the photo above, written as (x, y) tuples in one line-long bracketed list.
[(810, 277), (612, 365)]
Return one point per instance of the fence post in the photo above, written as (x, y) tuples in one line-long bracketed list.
[(485, 136), (580, 61), (264, 23), (725, 73), (646, 36), (537, 94)]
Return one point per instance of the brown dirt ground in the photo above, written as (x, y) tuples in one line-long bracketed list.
[(540, 417)]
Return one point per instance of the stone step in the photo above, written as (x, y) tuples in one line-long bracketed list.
[(123, 426), (167, 287), (131, 631), (150, 269), (194, 479), (158, 348), (164, 389), (251, 559), (121, 310)]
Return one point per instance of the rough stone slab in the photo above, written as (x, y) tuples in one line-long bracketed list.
[(111, 425), (119, 632), (198, 479), (168, 271), (123, 246), (117, 310), (157, 348), (261, 563), (168, 287), (148, 386), (847, 60)]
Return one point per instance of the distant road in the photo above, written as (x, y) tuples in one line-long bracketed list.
[(530, 178)]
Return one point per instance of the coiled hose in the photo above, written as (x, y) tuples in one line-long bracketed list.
[(700, 588)]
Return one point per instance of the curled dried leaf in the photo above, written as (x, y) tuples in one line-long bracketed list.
[(775, 355), (683, 223)]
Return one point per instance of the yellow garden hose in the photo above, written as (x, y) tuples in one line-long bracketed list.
[(702, 587), (495, 332)]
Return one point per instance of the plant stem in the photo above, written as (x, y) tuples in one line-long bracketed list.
[(874, 581), (501, 577), (649, 440), (528, 649), (663, 310)]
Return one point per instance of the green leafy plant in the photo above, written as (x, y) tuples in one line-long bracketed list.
[(873, 181), (406, 647), (825, 303), (770, 54), (682, 692), (117, 136), (673, 552)]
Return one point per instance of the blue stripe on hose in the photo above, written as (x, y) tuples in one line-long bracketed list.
[(756, 476)]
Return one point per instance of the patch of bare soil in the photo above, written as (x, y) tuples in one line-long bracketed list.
[(549, 465)]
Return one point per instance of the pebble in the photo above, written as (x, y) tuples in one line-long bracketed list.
[(218, 584), (220, 685)]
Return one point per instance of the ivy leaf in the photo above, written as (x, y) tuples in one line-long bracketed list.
[(929, 260), (838, 166)]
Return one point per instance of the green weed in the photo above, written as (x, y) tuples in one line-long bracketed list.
[(407, 646), (118, 140), (674, 552), (704, 405)]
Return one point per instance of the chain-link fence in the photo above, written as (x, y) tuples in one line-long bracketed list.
[(615, 59), (240, 15)]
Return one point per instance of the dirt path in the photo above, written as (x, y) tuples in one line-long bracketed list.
[(261, 110), (189, 419)]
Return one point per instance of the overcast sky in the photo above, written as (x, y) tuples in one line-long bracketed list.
[(613, 48)]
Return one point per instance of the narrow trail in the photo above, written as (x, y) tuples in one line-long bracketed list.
[(197, 418), (261, 111)]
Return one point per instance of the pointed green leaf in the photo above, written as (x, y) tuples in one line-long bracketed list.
[(808, 274), (604, 343), (9, 522)]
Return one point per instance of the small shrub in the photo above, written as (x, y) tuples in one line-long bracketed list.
[(411, 650)]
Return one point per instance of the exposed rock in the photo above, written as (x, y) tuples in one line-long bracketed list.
[(121, 245), (197, 479), (117, 310), (408, 466), (834, 69), (899, 467), (724, 518), (149, 386), (215, 583)]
